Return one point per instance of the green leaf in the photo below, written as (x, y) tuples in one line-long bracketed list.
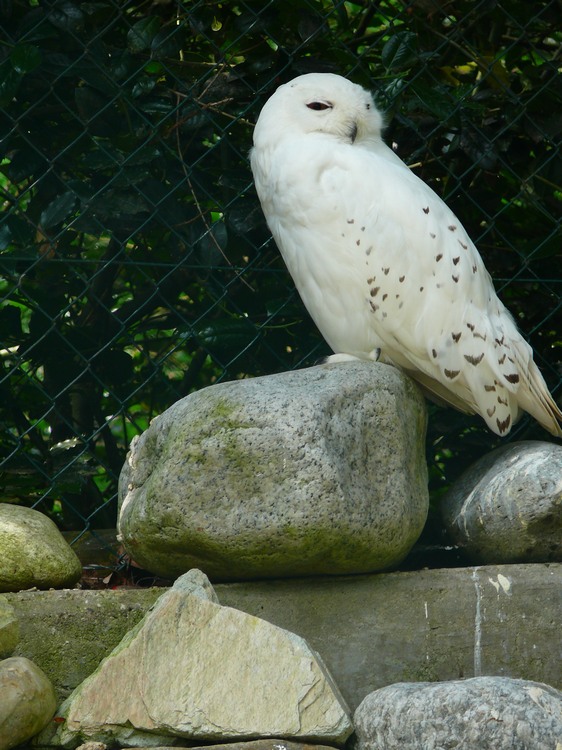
[(100, 114), (154, 68), (5, 236), (400, 52), (388, 93), (25, 163), (58, 210), (129, 176), (143, 86), (118, 203), (245, 217), (9, 83), (25, 58), (67, 16), (17, 231), (211, 247), (434, 99), (140, 35), (10, 322), (165, 44), (115, 366), (228, 336)]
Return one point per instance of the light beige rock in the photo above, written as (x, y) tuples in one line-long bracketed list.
[(196, 670), (272, 744), (312, 472), (27, 701), (9, 629), (33, 552)]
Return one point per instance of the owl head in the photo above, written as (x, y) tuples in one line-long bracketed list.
[(320, 103)]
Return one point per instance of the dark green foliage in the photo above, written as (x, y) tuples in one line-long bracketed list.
[(135, 262)]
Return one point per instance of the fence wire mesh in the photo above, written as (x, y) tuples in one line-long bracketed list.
[(135, 262)]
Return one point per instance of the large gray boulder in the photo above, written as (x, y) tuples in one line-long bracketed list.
[(27, 701), (315, 471), (507, 506), (202, 672), (483, 713), (33, 552)]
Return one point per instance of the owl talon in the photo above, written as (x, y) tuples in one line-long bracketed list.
[(340, 357)]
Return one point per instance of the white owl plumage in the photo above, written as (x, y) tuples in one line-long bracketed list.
[(384, 267)]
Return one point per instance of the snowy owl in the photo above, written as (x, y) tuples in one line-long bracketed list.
[(384, 267)]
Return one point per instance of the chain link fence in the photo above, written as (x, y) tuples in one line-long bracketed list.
[(136, 266)]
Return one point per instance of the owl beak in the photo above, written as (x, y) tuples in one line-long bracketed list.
[(353, 132)]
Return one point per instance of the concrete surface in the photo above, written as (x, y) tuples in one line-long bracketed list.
[(371, 630)]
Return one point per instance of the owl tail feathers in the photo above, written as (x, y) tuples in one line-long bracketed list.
[(535, 398), (499, 415), (501, 404), (439, 393), (531, 393), (500, 407)]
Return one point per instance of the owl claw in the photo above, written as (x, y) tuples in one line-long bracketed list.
[(342, 357)]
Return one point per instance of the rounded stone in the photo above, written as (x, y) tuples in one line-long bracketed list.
[(9, 629), (27, 701), (482, 713), (507, 507), (317, 471), (33, 552)]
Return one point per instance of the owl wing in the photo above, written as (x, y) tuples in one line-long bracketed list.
[(381, 262)]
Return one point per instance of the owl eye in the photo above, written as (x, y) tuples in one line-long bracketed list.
[(319, 105)]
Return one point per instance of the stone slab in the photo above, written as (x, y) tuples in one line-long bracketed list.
[(269, 744), (9, 629), (370, 630), (199, 671), (67, 633)]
